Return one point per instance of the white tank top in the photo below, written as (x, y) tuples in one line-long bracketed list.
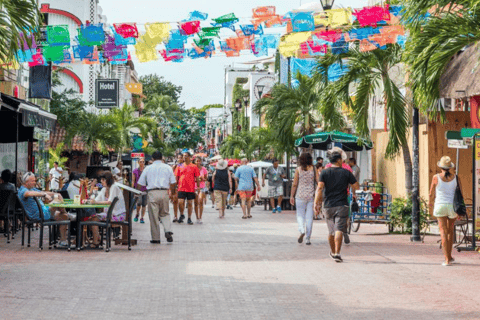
[(445, 191)]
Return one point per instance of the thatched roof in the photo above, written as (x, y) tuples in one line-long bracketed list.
[(461, 78)]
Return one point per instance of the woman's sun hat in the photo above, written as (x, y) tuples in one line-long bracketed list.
[(340, 150), (222, 164), (446, 163)]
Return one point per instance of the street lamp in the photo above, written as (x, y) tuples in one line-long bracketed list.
[(260, 89), (238, 105), (327, 4)]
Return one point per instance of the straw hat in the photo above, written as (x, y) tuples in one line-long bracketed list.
[(446, 163), (222, 164)]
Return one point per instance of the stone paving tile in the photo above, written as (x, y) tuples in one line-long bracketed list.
[(240, 269)]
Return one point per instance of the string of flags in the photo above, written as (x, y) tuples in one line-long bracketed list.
[(308, 35)]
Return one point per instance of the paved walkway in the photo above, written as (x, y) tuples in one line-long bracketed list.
[(241, 269)]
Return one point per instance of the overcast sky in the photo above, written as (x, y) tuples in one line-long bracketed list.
[(202, 79)]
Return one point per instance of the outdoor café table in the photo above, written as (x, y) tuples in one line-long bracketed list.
[(78, 208)]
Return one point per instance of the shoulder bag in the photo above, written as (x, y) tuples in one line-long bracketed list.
[(458, 202)]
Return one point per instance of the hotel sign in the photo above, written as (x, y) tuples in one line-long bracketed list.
[(106, 93)]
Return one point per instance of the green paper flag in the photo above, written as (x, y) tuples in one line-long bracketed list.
[(226, 18), (58, 35), (209, 32)]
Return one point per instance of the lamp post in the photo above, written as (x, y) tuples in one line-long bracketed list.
[(327, 4), (245, 101)]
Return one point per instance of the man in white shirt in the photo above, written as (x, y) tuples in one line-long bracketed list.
[(55, 174), (158, 178)]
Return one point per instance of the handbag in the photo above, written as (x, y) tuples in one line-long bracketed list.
[(354, 205), (458, 202)]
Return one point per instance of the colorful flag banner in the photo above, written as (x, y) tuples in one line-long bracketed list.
[(157, 32), (290, 43), (340, 46), (126, 30), (360, 34), (197, 15), (120, 58), (110, 48), (37, 59), (190, 27), (366, 45), (336, 71), (24, 40), (54, 53), (83, 52), (58, 35), (371, 16), (302, 21), (258, 47), (334, 18), (331, 36), (145, 53), (209, 32), (250, 29), (135, 88), (273, 21), (177, 35), (91, 35), (226, 18), (302, 66), (271, 41), (176, 58), (121, 41), (317, 49)]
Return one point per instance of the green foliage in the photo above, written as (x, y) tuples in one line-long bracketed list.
[(291, 112), (67, 107), (367, 73), (16, 16), (238, 117), (433, 42), (209, 106), (56, 155), (157, 85), (257, 143), (401, 214)]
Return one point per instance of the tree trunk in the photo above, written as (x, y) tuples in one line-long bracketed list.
[(407, 160)]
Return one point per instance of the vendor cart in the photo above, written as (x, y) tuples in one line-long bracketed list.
[(373, 207)]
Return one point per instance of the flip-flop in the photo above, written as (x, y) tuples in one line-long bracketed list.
[(244, 217), (249, 217)]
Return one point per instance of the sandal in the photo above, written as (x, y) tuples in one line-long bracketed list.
[(249, 216), (244, 217)]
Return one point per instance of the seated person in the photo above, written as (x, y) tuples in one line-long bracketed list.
[(73, 188), (5, 181), (25, 194), (109, 191)]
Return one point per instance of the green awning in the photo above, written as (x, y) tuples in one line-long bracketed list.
[(469, 132), (453, 135), (322, 140)]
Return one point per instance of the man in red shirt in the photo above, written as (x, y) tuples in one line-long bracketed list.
[(187, 175)]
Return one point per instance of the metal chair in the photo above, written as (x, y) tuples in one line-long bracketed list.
[(107, 225), (127, 223), (49, 223), (6, 213)]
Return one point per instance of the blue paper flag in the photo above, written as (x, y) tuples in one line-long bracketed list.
[(304, 66), (83, 52), (196, 15), (336, 71), (249, 29), (302, 21)]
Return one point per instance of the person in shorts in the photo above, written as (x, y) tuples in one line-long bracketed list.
[(174, 195), (142, 200), (245, 175), (334, 182), (188, 176), (275, 175)]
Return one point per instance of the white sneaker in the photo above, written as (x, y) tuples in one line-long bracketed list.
[(200, 221)]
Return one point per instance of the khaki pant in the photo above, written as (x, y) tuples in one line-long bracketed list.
[(158, 209)]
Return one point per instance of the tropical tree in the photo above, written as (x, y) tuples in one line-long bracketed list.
[(257, 143), (16, 17), (438, 30), (367, 73), (154, 84), (98, 132), (124, 121), (291, 112), (56, 155)]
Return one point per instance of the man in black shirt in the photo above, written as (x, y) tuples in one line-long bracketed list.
[(335, 182)]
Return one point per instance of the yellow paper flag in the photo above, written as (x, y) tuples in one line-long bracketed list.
[(290, 43), (334, 18), (157, 32), (135, 88)]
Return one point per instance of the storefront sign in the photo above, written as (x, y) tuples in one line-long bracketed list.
[(106, 93), (457, 144), (7, 156), (138, 155)]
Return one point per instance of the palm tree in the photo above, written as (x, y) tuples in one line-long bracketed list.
[(124, 122), (97, 132), (292, 112), (433, 42), (370, 72), (16, 16)]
